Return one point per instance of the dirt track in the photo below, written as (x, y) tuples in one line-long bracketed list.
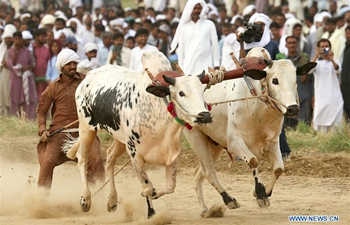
[(314, 184)]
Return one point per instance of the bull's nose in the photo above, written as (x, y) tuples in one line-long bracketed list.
[(206, 117), (292, 110)]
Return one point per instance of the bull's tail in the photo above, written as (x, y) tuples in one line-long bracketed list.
[(71, 146)]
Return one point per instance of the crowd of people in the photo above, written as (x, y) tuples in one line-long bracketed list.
[(101, 34)]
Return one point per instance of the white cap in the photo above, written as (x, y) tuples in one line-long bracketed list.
[(90, 47), (248, 10), (26, 35)]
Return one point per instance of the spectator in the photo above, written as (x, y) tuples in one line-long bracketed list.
[(72, 43), (130, 42), (303, 84), (198, 53), (165, 40), (275, 31), (42, 56), (336, 38), (328, 106), (5, 100), (153, 35), (52, 72), (22, 87), (119, 55), (141, 37), (90, 62), (102, 53)]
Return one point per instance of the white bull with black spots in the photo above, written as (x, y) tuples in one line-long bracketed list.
[(114, 99), (249, 129)]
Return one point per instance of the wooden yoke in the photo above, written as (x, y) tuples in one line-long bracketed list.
[(245, 64)]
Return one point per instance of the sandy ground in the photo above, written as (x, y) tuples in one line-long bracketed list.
[(22, 204)]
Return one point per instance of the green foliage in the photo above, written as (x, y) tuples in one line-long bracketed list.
[(304, 137), (13, 126)]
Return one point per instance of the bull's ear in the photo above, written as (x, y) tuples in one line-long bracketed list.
[(255, 74), (159, 91), (302, 70)]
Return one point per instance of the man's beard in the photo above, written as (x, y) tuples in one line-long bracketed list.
[(67, 73)]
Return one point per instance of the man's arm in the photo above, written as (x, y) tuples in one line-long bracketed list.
[(215, 46), (42, 109)]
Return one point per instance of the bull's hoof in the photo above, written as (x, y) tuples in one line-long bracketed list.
[(204, 212), (233, 205), (85, 204), (112, 203), (151, 213), (112, 207), (263, 203)]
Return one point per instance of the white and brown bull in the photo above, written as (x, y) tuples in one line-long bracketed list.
[(249, 128), (114, 99)]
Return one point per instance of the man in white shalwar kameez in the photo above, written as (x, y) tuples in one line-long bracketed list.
[(197, 40), (328, 106)]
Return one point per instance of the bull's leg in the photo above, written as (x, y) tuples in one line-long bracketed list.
[(275, 158), (87, 138), (201, 146), (114, 152), (245, 154), (148, 190), (170, 172)]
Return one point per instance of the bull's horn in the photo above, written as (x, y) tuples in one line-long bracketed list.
[(268, 62), (169, 80), (264, 54), (149, 74), (179, 69), (201, 76), (296, 60), (235, 60)]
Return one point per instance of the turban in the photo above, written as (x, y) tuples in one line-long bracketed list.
[(265, 39), (90, 47), (260, 17), (8, 31), (66, 56)]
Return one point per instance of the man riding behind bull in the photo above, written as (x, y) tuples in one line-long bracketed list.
[(61, 95)]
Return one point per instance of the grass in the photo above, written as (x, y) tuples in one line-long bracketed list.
[(303, 137)]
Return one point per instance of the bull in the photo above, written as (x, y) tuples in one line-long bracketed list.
[(114, 99), (249, 128)]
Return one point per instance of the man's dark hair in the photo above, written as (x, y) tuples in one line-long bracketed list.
[(141, 31), (324, 40), (17, 34), (118, 35), (41, 31), (60, 20), (131, 38), (147, 21), (347, 28), (106, 34), (99, 27), (291, 37), (275, 25)]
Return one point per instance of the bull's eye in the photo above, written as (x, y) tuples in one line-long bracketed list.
[(182, 94), (275, 81)]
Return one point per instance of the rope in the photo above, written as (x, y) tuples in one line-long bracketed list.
[(215, 76), (115, 174), (183, 111)]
